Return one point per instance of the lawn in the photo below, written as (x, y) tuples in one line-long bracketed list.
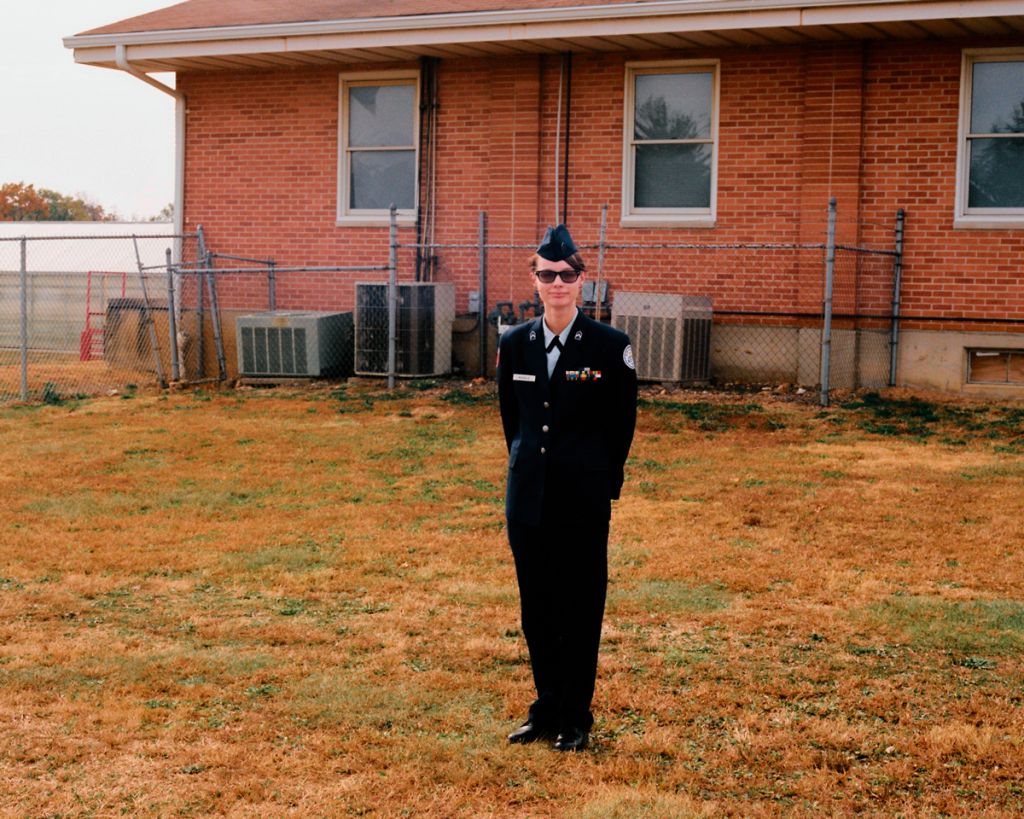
[(301, 602)]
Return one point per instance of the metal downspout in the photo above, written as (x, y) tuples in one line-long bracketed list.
[(897, 286), (568, 117), (121, 58)]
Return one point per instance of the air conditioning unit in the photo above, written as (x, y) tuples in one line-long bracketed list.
[(670, 334), (294, 343), (697, 320), (423, 342)]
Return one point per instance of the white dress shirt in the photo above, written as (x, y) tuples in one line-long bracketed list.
[(555, 352)]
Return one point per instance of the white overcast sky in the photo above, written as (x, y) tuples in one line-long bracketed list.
[(78, 129)]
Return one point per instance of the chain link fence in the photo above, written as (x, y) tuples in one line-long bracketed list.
[(266, 321), (85, 315), (812, 316), (77, 313)]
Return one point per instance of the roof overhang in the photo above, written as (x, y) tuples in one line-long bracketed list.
[(645, 26)]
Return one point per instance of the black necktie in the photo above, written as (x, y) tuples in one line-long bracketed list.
[(555, 342)]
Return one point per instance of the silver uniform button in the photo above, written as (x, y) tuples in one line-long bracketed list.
[(547, 405), (544, 428), (542, 451)]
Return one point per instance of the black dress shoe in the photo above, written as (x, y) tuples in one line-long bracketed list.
[(529, 732), (571, 739)]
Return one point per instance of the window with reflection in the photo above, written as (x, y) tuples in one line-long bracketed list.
[(671, 124), (992, 143), (378, 139)]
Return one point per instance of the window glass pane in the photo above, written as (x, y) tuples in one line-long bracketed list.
[(380, 115), (1016, 368), (380, 178), (997, 98), (988, 366), (997, 173), (672, 176), (672, 106)]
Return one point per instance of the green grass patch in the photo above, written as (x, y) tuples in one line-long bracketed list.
[(675, 596), (956, 425), (961, 627), (707, 416), (461, 397), (293, 558)]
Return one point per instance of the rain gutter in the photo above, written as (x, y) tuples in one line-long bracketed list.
[(512, 23)]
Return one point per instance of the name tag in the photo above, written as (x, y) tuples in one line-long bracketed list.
[(523, 377)]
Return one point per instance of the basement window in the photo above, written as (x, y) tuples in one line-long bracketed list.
[(378, 147), (990, 157), (995, 367), (669, 173)]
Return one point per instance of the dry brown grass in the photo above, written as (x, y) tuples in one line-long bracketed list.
[(302, 603)]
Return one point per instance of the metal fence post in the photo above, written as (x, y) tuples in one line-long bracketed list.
[(482, 319), (24, 318), (172, 324), (894, 339), (147, 317), (211, 286), (200, 286), (826, 330), (392, 295), (600, 261)]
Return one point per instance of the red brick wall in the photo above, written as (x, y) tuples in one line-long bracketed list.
[(911, 113), (873, 124), (261, 169)]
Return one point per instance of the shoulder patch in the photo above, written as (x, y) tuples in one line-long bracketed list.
[(627, 357)]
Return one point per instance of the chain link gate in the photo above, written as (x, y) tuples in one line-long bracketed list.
[(83, 314)]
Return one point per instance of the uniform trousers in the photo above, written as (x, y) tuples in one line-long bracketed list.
[(562, 569)]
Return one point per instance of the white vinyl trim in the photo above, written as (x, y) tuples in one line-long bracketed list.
[(807, 12), (525, 24), (374, 217), (964, 216), (666, 217)]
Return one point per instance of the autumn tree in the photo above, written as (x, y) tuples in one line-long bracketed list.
[(166, 214), (21, 203)]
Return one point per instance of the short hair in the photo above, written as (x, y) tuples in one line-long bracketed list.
[(575, 261)]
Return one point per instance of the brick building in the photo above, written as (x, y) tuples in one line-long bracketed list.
[(717, 128)]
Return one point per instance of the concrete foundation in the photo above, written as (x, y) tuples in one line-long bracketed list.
[(938, 361), (760, 354)]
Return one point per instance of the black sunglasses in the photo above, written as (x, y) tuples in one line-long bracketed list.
[(567, 276)]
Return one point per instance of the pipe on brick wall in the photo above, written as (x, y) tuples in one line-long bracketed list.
[(558, 132), (568, 125)]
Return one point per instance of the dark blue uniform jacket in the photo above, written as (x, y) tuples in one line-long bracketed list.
[(567, 436)]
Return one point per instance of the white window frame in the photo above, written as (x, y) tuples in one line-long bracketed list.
[(993, 351), (346, 215), (979, 218), (667, 217)]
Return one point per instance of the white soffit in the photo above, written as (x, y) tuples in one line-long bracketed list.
[(671, 24)]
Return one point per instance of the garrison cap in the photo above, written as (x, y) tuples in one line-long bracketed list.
[(557, 244)]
